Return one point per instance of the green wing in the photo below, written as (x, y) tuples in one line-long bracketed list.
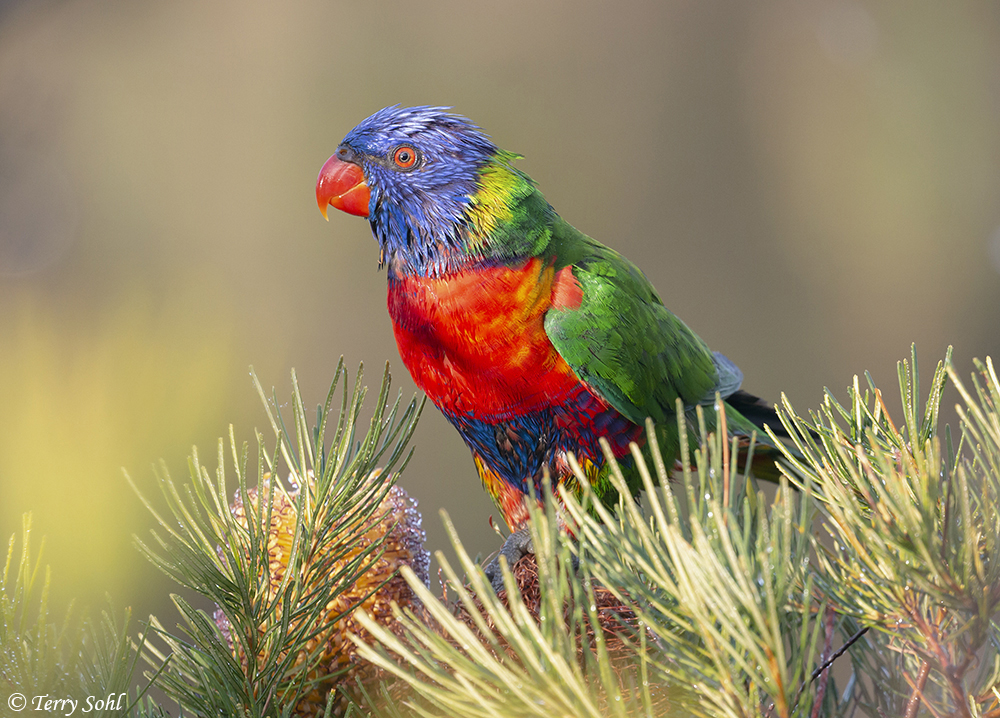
[(624, 343)]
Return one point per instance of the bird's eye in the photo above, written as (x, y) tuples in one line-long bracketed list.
[(405, 157)]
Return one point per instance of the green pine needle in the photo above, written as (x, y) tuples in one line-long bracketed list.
[(866, 584), (72, 658), (203, 546)]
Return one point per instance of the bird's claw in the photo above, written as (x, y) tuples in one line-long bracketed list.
[(517, 545)]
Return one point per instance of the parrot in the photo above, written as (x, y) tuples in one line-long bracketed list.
[(533, 339)]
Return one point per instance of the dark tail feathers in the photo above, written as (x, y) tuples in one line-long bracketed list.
[(758, 411)]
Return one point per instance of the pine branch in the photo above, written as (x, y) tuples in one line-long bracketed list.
[(915, 529), (713, 600), (288, 562), (723, 618), (74, 659), (731, 594)]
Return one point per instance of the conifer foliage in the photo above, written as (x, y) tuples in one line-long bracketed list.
[(866, 584)]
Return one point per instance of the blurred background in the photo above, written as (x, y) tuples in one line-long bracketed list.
[(811, 185)]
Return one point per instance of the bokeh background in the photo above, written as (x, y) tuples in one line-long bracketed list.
[(812, 185)]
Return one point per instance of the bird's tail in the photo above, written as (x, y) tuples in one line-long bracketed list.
[(759, 412), (747, 413)]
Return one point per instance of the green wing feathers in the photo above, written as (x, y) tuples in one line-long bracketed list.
[(640, 358), (622, 341)]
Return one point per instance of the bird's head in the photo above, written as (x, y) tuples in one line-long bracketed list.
[(431, 183)]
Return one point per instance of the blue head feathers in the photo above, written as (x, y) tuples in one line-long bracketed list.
[(422, 166)]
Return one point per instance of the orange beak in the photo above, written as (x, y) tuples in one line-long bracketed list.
[(342, 185)]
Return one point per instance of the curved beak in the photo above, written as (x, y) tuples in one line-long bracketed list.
[(342, 185)]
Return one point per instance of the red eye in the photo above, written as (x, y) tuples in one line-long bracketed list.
[(405, 157)]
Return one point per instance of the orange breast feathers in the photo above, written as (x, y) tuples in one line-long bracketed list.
[(475, 340)]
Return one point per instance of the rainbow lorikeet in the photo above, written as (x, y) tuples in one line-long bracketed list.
[(533, 339)]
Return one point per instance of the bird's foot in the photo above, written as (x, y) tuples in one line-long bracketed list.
[(517, 545)]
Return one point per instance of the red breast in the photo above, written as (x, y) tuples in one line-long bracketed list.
[(475, 340)]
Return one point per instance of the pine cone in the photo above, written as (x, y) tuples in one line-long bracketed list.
[(398, 520)]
